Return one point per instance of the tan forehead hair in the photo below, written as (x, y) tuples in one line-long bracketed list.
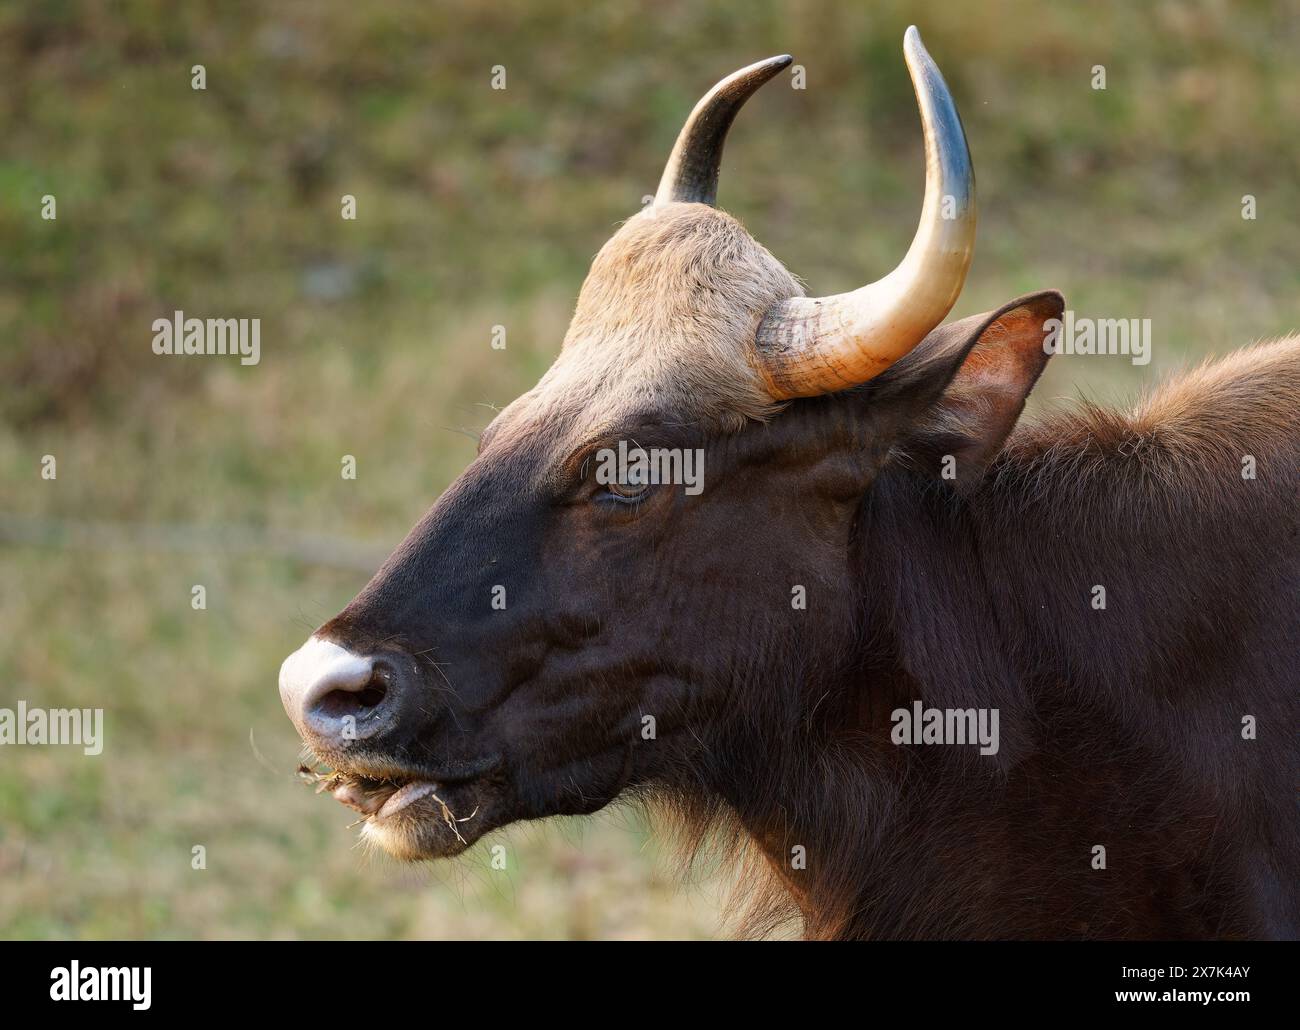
[(665, 326)]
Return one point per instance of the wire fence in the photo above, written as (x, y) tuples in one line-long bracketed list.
[(84, 535)]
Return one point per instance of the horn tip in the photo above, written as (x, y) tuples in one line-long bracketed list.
[(768, 68)]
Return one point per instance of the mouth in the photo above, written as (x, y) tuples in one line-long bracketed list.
[(411, 816)]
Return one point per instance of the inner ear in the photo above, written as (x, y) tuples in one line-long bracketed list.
[(962, 430)]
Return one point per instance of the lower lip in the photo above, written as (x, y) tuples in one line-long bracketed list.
[(406, 796)]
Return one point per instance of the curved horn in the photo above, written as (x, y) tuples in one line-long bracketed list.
[(691, 175), (814, 345)]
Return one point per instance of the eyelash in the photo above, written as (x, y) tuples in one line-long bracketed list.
[(608, 496)]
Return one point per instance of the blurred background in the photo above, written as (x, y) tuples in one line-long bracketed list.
[(478, 207)]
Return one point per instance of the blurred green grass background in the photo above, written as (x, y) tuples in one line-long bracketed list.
[(477, 208)]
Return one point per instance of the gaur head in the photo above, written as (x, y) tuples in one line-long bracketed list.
[(562, 627)]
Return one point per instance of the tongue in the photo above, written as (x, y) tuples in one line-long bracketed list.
[(407, 795), (367, 802)]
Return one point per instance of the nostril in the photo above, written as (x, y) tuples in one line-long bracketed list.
[(372, 695), (339, 703), (334, 695)]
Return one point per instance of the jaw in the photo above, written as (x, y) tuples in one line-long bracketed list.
[(413, 815), (425, 819)]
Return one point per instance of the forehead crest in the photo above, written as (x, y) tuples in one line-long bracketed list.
[(668, 313)]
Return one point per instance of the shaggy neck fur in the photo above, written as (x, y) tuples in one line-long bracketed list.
[(1120, 727)]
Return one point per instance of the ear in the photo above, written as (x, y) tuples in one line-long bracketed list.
[(960, 391)]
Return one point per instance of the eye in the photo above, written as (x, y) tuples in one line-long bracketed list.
[(628, 485), (626, 493), (625, 475)]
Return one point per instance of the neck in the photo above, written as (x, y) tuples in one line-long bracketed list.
[(991, 603)]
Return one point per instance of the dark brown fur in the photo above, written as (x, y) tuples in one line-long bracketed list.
[(1120, 728)]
